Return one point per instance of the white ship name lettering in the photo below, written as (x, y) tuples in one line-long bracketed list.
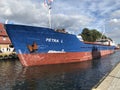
[(52, 40)]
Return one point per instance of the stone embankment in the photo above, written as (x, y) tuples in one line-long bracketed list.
[(4, 56)]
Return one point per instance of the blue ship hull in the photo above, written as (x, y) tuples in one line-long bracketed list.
[(40, 41)]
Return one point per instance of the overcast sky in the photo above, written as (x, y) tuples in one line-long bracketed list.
[(73, 15)]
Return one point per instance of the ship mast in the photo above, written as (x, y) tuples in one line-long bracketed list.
[(48, 4), (103, 30), (50, 26)]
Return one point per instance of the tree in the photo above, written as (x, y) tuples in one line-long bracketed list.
[(91, 35), (86, 34), (95, 34)]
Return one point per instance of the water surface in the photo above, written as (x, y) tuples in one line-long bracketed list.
[(76, 76)]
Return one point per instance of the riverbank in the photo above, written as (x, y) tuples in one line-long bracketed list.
[(111, 81), (4, 56)]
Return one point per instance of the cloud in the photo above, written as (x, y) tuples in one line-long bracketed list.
[(27, 12), (24, 12), (115, 14), (71, 22), (114, 33)]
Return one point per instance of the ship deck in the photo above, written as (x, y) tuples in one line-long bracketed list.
[(111, 81)]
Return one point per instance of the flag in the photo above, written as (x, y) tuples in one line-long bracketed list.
[(45, 3), (48, 3)]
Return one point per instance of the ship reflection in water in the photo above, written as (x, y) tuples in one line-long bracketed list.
[(76, 76), (52, 77)]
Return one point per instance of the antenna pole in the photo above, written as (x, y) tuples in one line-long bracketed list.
[(47, 4), (103, 29), (50, 26)]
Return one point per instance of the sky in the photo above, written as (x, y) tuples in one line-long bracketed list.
[(73, 15)]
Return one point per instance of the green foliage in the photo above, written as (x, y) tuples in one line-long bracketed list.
[(86, 35), (91, 35)]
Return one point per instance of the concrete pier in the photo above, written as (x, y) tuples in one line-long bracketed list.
[(111, 81)]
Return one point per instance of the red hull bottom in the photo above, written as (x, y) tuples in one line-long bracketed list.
[(57, 58)]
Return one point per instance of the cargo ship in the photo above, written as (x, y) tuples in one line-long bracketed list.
[(43, 46)]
